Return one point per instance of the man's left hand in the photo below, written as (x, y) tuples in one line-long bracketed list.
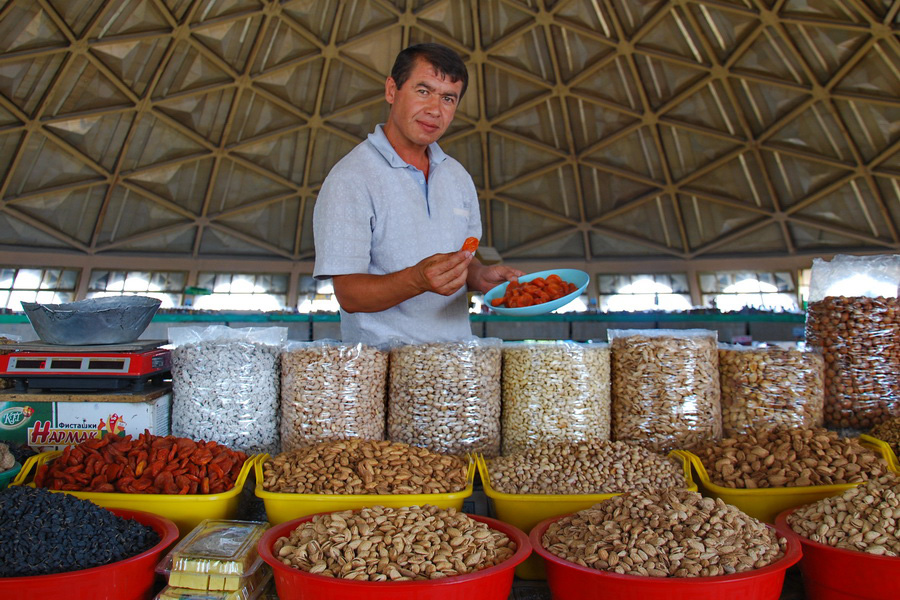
[(482, 278)]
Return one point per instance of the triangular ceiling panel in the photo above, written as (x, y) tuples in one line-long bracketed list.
[(77, 15), (603, 191), (553, 191), (795, 178), (635, 152), (592, 123), (216, 242), (512, 226), (875, 74), (209, 10), (768, 239), (9, 144), (632, 15), (236, 185), (687, 150), (282, 44), (613, 82), (503, 90), (7, 118), (707, 221), (587, 14), (129, 214), (653, 220), (365, 17), (255, 115), (814, 131), (376, 52), (569, 246), (825, 49), (725, 29), (154, 142), (763, 104), (818, 9), (30, 177), (770, 57), (86, 89), (16, 233), (346, 85), (576, 52), (298, 86), (527, 52), (74, 212), (177, 241), (188, 69), (133, 61), (24, 82), (520, 159), (140, 16), (849, 207), (671, 36), (94, 136), (314, 16), (741, 179), (25, 26), (541, 122), (273, 223), (807, 237), (230, 40), (178, 8), (468, 151), (361, 122), (284, 155), (328, 148), (183, 183), (307, 244), (708, 107), (453, 19), (873, 126), (604, 245), (205, 114), (663, 80), (499, 19)]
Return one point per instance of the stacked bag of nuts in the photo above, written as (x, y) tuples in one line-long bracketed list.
[(554, 391), (856, 327), (225, 385), (665, 387), (364, 467), (446, 396), (332, 391), (770, 387), (584, 468), (789, 458), (675, 533), (865, 518)]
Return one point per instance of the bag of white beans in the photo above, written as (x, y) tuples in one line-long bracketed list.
[(554, 391), (332, 391), (665, 387), (446, 396), (225, 385)]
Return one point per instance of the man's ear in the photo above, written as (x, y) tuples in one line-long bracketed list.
[(390, 89)]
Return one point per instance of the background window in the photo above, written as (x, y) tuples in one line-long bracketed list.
[(46, 286), (627, 293), (166, 286), (316, 296), (734, 290), (242, 291)]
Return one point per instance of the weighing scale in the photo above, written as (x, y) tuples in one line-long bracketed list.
[(86, 368)]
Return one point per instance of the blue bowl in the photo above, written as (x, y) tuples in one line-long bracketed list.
[(579, 278)]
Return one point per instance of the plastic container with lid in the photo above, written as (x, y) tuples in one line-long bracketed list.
[(252, 591), (217, 555), (186, 511)]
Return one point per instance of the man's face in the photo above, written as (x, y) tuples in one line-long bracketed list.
[(423, 108)]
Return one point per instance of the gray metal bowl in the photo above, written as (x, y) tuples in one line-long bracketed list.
[(109, 320)]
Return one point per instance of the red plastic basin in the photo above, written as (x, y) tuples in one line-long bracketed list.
[(569, 581), (493, 583), (836, 574), (129, 579)]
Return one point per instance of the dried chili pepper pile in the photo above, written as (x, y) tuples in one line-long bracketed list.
[(148, 465)]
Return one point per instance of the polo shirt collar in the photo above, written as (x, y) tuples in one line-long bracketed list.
[(381, 143)]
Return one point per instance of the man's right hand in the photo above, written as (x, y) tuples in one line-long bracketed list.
[(443, 273)]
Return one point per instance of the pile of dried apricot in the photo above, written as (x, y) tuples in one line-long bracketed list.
[(536, 291)]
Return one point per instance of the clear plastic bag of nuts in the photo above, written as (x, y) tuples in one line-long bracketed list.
[(853, 319), (554, 392), (332, 391), (446, 396), (770, 386), (665, 387)]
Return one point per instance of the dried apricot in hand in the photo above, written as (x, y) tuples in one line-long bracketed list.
[(471, 244)]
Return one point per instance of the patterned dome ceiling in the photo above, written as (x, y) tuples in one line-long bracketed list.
[(594, 129)]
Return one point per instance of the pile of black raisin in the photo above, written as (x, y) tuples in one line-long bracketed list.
[(43, 532)]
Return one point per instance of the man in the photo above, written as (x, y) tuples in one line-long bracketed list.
[(392, 215)]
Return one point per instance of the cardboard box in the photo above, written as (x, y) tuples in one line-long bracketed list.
[(46, 422)]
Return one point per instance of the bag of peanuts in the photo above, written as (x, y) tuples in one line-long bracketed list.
[(853, 319), (770, 386), (554, 392), (665, 387), (332, 391), (225, 385), (446, 396)]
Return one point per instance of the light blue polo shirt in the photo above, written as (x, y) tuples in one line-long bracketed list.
[(376, 214)]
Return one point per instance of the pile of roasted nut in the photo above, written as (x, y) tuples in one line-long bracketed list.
[(364, 467), (393, 544), (789, 458), (888, 432), (672, 534), (584, 468)]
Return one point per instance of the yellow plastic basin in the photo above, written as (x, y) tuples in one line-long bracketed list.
[(283, 506)]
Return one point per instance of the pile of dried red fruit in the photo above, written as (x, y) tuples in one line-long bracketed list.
[(536, 291), (148, 465)]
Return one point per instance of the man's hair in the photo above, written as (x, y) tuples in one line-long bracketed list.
[(445, 61)]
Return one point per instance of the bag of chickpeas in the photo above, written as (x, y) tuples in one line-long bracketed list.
[(332, 391), (853, 319), (446, 396), (555, 391), (665, 387), (769, 387)]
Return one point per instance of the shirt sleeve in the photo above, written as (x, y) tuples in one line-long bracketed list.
[(342, 225)]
